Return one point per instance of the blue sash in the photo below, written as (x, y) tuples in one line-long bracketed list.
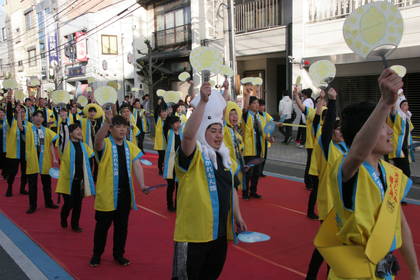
[(4, 128), (116, 171), (42, 146), (211, 181)]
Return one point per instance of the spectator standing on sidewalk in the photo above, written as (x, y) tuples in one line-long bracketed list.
[(285, 113)]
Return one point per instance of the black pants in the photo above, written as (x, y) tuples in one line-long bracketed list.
[(252, 176), (3, 164), (95, 166), (73, 202), (309, 179), (286, 131), (140, 141), (161, 160), (172, 187), (33, 190), (315, 265), (262, 165), (12, 170), (313, 196), (301, 134), (205, 261), (103, 222), (403, 164)]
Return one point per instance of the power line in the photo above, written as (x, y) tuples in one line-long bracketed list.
[(44, 22), (35, 36), (86, 36)]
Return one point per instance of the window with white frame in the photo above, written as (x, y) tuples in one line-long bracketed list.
[(109, 44)]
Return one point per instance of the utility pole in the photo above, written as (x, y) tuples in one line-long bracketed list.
[(232, 50)]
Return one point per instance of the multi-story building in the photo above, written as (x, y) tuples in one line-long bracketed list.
[(5, 67), (260, 39), (317, 34), (101, 39), (23, 40)]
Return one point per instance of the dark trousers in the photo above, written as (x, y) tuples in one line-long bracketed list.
[(403, 164), (140, 141), (3, 164), (73, 202), (301, 134), (313, 195), (262, 165), (308, 178), (12, 170), (161, 160), (252, 176), (95, 166), (103, 222), (205, 261), (33, 190), (172, 187), (286, 131)]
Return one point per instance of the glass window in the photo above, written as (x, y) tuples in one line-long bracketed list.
[(3, 34), (109, 44), (160, 23), (29, 20), (32, 57), (169, 20), (179, 17)]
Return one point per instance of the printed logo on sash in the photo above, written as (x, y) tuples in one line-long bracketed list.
[(392, 200)]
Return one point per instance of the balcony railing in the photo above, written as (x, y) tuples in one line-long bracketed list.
[(320, 10), (173, 36), (257, 14)]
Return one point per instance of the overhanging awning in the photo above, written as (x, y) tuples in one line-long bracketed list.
[(75, 79)]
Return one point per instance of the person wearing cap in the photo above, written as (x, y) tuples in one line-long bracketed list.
[(75, 180), (314, 119), (64, 122), (140, 120), (3, 141), (173, 135), (90, 126), (207, 202), (161, 113), (132, 132), (328, 147), (233, 140), (16, 151), (40, 156), (115, 195), (358, 239), (268, 139), (400, 122), (253, 137)]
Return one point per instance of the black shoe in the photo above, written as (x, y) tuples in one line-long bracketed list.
[(77, 229), (9, 194), (263, 175), (95, 261), (22, 191), (171, 209), (312, 216), (160, 172), (121, 260), (255, 195), (403, 203), (245, 196), (30, 210), (63, 223), (51, 206)]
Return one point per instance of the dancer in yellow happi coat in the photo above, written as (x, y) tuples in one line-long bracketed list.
[(365, 227)]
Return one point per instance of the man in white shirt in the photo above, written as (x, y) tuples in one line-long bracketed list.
[(285, 112)]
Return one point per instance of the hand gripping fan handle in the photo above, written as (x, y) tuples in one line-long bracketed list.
[(206, 75), (384, 61)]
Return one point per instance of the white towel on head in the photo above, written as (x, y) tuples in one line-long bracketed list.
[(213, 114)]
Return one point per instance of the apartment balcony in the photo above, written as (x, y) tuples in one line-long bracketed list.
[(320, 10), (257, 15), (173, 37)]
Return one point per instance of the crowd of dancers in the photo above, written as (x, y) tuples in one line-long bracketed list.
[(210, 150)]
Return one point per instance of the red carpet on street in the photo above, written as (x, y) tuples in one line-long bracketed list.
[(280, 214)]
